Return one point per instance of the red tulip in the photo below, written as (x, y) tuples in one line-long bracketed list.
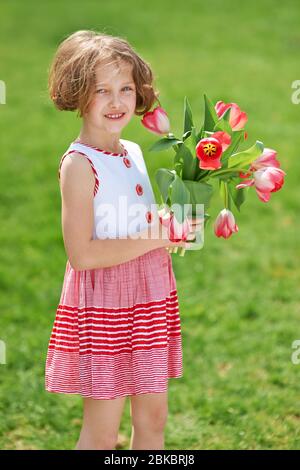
[(267, 180), (209, 151), (156, 121), (245, 175), (237, 118), (225, 224), (223, 138)]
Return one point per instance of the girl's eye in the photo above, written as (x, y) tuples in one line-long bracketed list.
[(102, 89)]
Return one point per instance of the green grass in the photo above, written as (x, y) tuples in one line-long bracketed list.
[(239, 298)]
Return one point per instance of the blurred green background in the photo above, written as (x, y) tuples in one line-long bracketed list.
[(239, 297)]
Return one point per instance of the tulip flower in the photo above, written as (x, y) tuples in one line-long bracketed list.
[(245, 175), (225, 224), (164, 217), (267, 158), (223, 138), (210, 148), (237, 118), (178, 231), (209, 151), (265, 180), (156, 121)]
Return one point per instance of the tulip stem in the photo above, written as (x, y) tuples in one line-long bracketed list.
[(227, 170), (203, 176), (213, 173), (226, 195)]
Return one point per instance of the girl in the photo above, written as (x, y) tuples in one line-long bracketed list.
[(117, 327)]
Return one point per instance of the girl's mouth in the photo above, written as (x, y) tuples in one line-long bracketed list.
[(115, 117)]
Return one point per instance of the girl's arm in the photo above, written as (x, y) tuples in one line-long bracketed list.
[(77, 185), (108, 252)]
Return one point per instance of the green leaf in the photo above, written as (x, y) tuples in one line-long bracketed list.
[(186, 135), (224, 126), (164, 144), (246, 157), (202, 174), (179, 196), (191, 141), (178, 168), (200, 193), (226, 115), (235, 142), (184, 154), (200, 134), (188, 150), (210, 115), (164, 179), (197, 171), (188, 117), (206, 219), (237, 195)]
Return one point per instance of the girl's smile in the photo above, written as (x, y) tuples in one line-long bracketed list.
[(115, 117)]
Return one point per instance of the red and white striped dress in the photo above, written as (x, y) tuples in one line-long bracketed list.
[(117, 329)]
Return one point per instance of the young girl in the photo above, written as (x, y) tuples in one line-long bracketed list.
[(117, 327)]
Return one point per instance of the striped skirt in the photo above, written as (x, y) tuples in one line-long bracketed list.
[(116, 330)]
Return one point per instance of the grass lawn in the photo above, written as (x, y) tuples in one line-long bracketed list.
[(239, 298)]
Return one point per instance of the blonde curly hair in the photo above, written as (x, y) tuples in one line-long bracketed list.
[(72, 76)]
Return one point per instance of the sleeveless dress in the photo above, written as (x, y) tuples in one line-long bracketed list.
[(117, 329)]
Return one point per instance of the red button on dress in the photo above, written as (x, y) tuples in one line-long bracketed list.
[(127, 162), (139, 189), (149, 217)]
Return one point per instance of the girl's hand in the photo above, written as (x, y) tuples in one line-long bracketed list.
[(196, 226), (195, 223)]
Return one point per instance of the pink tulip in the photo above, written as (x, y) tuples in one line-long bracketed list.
[(223, 138), (237, 118), (266, 180), (225, 224), (156, 121), (164, 216), (178, 231), (267, 158)]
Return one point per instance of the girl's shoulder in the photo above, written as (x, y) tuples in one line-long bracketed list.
[(77, 166)]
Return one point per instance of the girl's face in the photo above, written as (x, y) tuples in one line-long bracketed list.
[(115, 93)]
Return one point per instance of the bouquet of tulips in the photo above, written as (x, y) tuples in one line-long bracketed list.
[(201, 156)]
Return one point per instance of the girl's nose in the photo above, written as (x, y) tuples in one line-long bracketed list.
[(115, 101)]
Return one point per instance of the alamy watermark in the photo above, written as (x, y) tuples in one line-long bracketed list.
[(138, 220), (2, 352), (2, 92), (295, 357), (295, 98)]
